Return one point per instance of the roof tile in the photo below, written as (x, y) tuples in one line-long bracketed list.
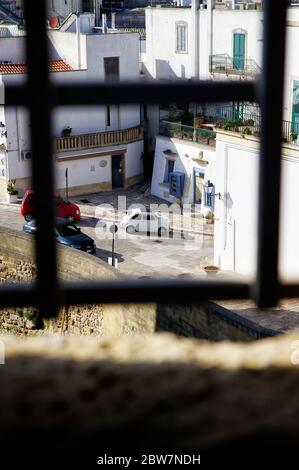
[(54, 66)]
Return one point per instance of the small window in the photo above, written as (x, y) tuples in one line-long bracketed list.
[(111, 66), (169, 166), (181, 37)]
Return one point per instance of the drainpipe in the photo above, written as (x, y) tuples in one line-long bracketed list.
[(195, 38), (210, 8), (104, 23), (113, 20), (78, 33), (97, 8)]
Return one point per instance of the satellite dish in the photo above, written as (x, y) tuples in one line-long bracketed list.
[(54, 22)]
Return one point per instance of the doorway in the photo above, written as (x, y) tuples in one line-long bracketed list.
[(117, 171), (198, 185), (239, 51)]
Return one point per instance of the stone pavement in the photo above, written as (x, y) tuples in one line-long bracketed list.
[(283, 318), (122, 199)]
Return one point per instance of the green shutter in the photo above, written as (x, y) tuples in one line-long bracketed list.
[(239, 51)]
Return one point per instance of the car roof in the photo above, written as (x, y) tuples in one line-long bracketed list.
[(58, 222)]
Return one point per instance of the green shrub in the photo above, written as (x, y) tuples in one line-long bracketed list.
[(188, 119)]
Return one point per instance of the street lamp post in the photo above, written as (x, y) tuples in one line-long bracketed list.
[(113, 229), (210, 190), (67, 183)]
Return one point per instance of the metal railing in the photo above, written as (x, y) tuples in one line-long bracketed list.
[(98, 139), (224, 64), (181, 131), (240, 120)]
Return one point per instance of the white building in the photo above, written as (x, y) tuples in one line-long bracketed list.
[(236, 212), (195, 161), (100, 145), (237, 181), (204, 41), (233, 169)]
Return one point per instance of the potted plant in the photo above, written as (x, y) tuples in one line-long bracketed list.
[(211, 270), (12, 192), (66, 132), (294, 136)]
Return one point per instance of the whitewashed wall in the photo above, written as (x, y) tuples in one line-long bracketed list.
[(184, 162), (81, 119), (66, 44), (88, 170), (225, 23), (13, 49), (162, 61), (236, 213), (215, 36)]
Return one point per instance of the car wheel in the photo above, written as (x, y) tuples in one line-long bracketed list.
[(70, 218), (28, 216), (130, 229), (162, 231)]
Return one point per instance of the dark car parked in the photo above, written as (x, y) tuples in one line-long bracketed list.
[(67, 234)]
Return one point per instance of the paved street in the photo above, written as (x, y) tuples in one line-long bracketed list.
[(139, 255)]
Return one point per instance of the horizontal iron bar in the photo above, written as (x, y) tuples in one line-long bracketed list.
[(18, 295), (150, 92), (131, 291), (138, 291), (158, 290)]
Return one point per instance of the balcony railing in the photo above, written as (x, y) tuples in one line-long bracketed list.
[(240, 120), (224, 64), (98, 139), (194, 134), (227, 118)]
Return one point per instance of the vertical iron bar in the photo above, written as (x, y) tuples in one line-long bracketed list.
[(266, 290), (39, 99)]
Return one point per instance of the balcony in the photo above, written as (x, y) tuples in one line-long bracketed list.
[(224, 64), (98, 139), (193, 134), (245, 122)]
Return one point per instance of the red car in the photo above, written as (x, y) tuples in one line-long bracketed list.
[(64, 209)]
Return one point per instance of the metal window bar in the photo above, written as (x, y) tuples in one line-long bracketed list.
[(47, 294)]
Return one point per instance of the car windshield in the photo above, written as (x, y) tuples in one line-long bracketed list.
[(67, 230), (58, 200)]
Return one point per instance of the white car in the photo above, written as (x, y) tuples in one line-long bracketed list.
[(137, 221)]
